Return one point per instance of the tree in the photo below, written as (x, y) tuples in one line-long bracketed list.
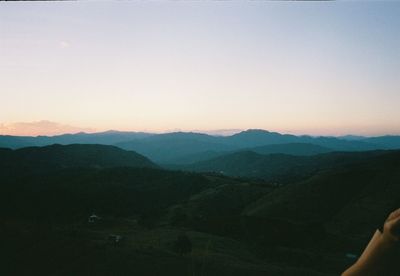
[(183, 245)]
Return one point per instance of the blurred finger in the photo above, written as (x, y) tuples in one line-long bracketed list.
[(394, 227), (394, 214)]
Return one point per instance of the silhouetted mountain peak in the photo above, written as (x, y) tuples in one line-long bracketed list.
[(255, 131), (260, 137)]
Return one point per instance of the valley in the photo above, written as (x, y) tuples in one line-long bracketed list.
[(301, 215)]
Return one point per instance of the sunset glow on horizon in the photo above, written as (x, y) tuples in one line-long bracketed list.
[(318, 68)]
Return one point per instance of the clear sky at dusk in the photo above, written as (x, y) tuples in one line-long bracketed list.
[(326, 68)]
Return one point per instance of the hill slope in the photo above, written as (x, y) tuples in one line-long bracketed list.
[(292, 149), (69, 193), (386, 142), (277, 167), (59, 157), (171, 147), (350, 201)]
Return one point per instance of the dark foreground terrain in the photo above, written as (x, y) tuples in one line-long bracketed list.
[(99, 210)]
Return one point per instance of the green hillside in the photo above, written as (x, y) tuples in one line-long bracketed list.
[(302, 149), (329, 207), (68, 156), (350, 201), (280, 168)]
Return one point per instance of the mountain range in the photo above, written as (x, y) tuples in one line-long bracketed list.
[(106, 138), (189, 147)]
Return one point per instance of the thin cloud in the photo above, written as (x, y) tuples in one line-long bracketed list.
[(64, 44), (39, 128)]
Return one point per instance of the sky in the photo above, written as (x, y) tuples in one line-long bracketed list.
[(319, 68)]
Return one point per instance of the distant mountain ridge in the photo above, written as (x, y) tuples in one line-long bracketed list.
[(106, 138), (174, 147), (190, 147), (297, 149)]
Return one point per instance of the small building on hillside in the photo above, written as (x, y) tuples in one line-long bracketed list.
[(94, 218)]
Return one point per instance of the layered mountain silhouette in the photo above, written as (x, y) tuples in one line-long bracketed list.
[(170, 147), (106, 138), (280, 168), (189, 147)]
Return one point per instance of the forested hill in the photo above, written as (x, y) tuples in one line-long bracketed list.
[(281, 168), (60, 157)]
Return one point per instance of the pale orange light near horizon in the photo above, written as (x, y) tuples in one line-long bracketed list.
[(162, 67), (48, 128)]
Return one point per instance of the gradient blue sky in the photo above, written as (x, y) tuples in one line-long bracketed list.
[(326, 68)]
